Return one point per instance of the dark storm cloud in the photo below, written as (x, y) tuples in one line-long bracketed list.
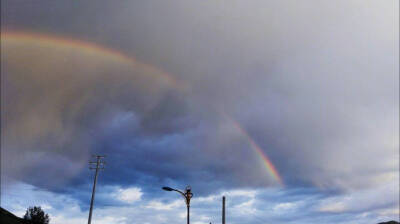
[(315, 84)]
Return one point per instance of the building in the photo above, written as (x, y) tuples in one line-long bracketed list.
[(7, 217)]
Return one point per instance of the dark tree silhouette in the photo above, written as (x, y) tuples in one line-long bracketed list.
[(35, 215)]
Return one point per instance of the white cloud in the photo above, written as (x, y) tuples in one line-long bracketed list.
[(235, 193), (182, 215), (245, 206), (129, 195), (61, 219), (371, 199), (230, 194), (284, 206), (46, 206), (157, 205), (110, 219), (336, 207), (390, 211)]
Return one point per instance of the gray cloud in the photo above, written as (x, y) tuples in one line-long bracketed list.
[(315, 84)]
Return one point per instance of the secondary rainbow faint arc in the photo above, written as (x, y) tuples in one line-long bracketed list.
[(266, 161), (96, 49)]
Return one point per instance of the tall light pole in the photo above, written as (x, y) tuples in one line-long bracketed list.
[(187, 195), (99, 166)]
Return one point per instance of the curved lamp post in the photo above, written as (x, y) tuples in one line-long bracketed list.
[(187, 195)]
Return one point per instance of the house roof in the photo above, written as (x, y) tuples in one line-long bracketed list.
[(9, 218)]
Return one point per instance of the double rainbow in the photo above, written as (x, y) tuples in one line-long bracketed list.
[(95, 49)]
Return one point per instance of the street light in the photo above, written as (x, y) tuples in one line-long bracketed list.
[(167, 189), (187, 195)]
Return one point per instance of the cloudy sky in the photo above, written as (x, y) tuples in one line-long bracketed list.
[(288, 108)]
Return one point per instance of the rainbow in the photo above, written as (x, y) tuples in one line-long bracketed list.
[(98, 50), (93, 49), (264, 158)]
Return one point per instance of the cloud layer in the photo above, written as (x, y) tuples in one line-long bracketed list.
[(242, 206), (315, 85)]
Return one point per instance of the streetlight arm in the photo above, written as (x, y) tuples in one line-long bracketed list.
[(180, 192), (185, 196)]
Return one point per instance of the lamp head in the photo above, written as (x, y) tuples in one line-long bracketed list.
[(167, 189)]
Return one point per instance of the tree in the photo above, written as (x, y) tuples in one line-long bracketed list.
[(35, 215)]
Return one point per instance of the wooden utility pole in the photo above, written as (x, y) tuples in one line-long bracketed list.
[(99, 165)]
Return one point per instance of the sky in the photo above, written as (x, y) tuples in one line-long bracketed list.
[(288, 108)]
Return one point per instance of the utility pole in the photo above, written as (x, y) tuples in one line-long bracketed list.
[(99, 166), (223, 209)]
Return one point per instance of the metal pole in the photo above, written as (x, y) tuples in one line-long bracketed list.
[(223, 209), (188, 214), (188, 195)]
